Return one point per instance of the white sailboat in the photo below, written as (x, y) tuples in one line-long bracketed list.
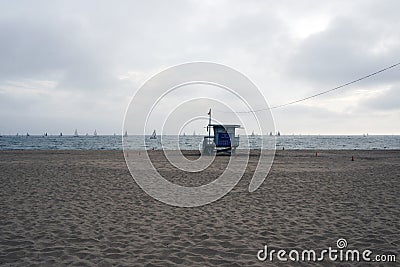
[(95, 133), (154, 135), (126, 134), (76, 133)]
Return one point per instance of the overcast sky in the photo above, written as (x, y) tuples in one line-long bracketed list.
[(76, 64)]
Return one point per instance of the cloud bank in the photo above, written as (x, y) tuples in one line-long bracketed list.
[(71, 64)]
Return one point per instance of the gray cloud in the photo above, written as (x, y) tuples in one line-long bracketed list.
[(387, 101), (353, 45)]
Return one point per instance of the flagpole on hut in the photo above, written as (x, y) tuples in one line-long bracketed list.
[(209, 124)]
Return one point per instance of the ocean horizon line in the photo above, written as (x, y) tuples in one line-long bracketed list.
[(188, 135)]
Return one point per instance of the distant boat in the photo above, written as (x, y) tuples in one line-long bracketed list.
[(95, 133), (45, 134), (184, 134), (60, 134), (17, 134), (87, 134), (126, 134), (76, 133), (278, 134), (270, 133), (194, 133), (27, 134), (154, 135)]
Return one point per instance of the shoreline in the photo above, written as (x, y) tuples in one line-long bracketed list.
[(193, 150)]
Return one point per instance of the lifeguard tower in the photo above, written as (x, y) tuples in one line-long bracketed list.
[(224, 139)]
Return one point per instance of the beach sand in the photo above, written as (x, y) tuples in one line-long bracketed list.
[(83, 208)]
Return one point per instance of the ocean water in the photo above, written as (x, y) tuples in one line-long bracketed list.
[(112, 142)]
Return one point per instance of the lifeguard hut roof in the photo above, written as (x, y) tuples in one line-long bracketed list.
[(225, 125)]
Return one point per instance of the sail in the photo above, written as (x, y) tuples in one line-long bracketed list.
[(76, 132), (154, 135)]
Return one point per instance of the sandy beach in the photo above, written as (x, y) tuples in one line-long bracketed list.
[(83, 208)]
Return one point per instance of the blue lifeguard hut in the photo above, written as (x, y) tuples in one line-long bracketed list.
[(224, 139)]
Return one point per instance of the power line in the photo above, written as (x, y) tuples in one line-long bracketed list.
[(324, 92)]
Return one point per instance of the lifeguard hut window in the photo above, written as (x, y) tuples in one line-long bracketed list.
[(224, 135), (223, 139)]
